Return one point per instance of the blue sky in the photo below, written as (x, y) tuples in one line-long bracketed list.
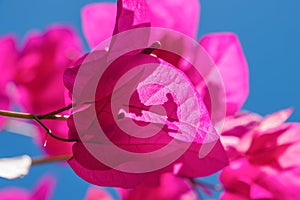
[(269, 32)]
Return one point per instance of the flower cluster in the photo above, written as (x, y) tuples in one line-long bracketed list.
[(263, 157)]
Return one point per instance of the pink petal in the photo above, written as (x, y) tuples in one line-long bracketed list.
[(240, 123), (265, 149), (14, 193), (226, 51), (289, 158), (102, 20), (238, 177), (232, 196), (131, 14), (214, 161), (189, 107), (281, 184), (94, 193), (258, 192), (44, 188), (179, 15), (110, 177), (275, 119), (170, 187), (98, 21), (8, 56)]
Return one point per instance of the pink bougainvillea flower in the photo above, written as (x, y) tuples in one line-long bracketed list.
[(242, 180), (265, 163), (234, 136), (224, 48), (8, 54), (185, 111), (265, 134), (39, 73), (42, 191)]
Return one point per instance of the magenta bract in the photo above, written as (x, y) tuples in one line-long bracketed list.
[(131, 104)]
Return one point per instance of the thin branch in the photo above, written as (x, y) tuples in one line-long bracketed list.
[(23, 115), (45, 160), (49, 132), (54, 113), (38, 118)]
